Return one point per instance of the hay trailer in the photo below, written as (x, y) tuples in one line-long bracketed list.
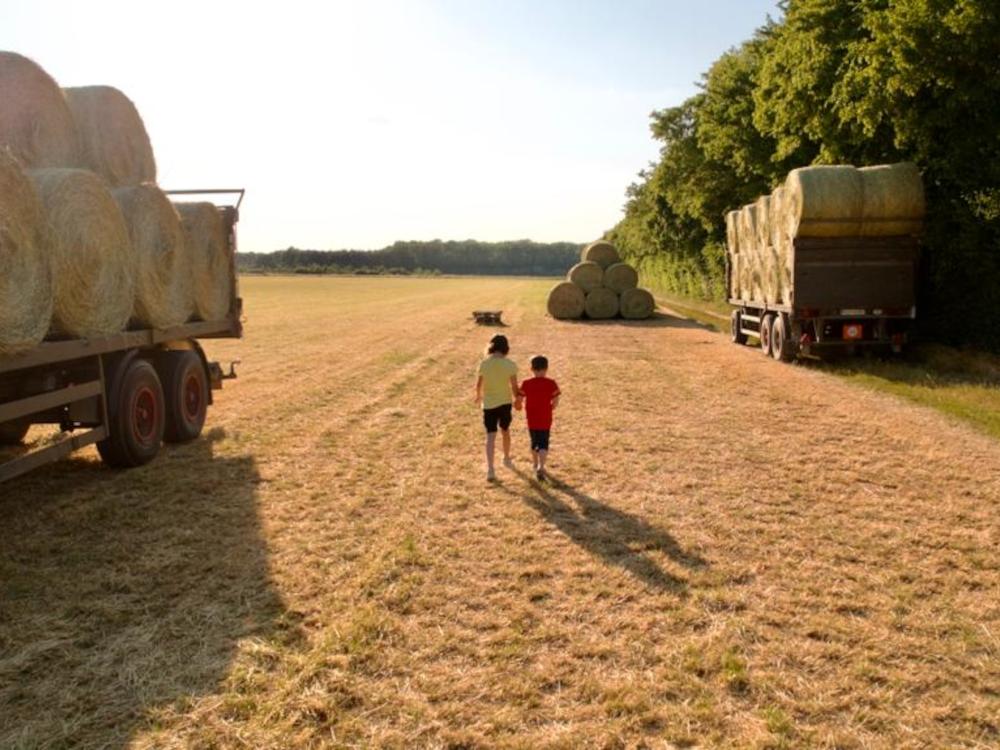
[(126, 393), (844, 294)]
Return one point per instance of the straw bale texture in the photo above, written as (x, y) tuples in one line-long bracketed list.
[(601, 303), (113, 138), (25, 281), (751, 251), (566, 301), (93, 268), (893, 200), (601, 252), (824, 201), (208, 246), (587, 275), (35, 121), (763, 221), (164, 294), (636, 304), (620, 276)]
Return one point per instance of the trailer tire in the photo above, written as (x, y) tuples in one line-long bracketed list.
[(12, 433), (185, 389), (135, 417), (782, 347), (736, 326), (766, 323)]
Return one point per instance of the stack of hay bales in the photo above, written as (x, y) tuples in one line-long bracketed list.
[(600, 287), (817, 201), (89, 245)]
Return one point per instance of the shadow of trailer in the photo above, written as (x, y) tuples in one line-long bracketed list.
[(847, 294), (126, 393)]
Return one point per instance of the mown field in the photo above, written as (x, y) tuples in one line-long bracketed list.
[(733, 553)]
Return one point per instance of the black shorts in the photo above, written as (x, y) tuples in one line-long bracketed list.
[(539, 440), (498, 415)]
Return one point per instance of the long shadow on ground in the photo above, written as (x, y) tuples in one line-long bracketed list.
[(657, 320), (617, 537), (124, 594)]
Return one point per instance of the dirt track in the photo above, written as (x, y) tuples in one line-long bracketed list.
[(735, 552)]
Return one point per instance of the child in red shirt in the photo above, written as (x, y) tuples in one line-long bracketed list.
[(541, 397)]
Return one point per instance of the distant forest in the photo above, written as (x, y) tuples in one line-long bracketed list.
[(513, 258)]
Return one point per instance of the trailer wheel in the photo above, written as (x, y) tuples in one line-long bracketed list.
[(12, 433), (736, 326), (782, 347), (135, 418), (185, 389), (766, 323)]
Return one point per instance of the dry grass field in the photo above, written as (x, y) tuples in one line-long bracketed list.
[(733, 553)]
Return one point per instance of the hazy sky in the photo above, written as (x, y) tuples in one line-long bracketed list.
[(353, 124)]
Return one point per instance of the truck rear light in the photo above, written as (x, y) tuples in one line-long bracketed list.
[(853, 332)]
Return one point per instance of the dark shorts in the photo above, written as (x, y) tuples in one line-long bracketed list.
[(498, 415), (539, 440)]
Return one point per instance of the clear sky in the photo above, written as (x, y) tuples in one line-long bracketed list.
[(354, 124)]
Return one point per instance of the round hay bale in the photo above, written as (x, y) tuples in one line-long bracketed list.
[(566, 301), (893, 200), (587, 275), (776, 220), (732, 231), (636, 304), (824, 201), (601, 303), (601, 252), (211, 267), (93, 268), (113, 138), (35, 122), (25, 278), (620, 276), (763, 223), (164, 290)]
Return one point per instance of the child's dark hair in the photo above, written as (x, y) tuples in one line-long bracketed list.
[(498, 344), (539, 363)]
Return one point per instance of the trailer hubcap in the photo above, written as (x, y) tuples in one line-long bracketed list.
[(192, 397), (144, 415)]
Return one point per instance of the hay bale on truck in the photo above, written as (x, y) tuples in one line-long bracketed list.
[(841, 264), (636, 304), (601, 252), (164, 293), (587, 275), (211, 263), (620, 276), (566, 301), (113, 138), (25, 276), (93, 267), (601, 304), (36, 123)]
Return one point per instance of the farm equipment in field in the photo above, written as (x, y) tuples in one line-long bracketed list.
[(127, 392), (488, 317)]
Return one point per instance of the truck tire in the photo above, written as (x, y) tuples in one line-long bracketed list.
[(766, 323), (736, 326), (12, 433), (136, 418), (782, 346), (185, 389)]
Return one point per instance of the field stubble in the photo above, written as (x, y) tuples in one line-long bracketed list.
[(733, 553)]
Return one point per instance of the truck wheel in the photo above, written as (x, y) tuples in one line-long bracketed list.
[(135, 418), (782, 348), (185, 388), (736, 326), (766, 323), (12, 433)]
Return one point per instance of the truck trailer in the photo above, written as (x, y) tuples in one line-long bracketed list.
[(126, 393)]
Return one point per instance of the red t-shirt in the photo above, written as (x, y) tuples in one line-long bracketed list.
[(538, 395)]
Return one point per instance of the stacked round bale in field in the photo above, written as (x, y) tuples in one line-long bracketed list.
[(89, 245), (817, 202), (599, 287)]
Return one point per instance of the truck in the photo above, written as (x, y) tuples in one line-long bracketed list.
[(126, 393)]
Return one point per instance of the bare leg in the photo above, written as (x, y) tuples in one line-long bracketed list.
[(534, 459), (491, 443), (542, 455), (506, 444)]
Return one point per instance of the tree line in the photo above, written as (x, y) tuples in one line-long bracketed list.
[(839, 81), (513, 258)]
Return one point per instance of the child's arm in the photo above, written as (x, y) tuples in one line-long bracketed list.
[(479, 390), (555, 400), (516, 392)]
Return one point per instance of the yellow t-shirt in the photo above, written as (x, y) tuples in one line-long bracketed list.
[(496, 373)]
